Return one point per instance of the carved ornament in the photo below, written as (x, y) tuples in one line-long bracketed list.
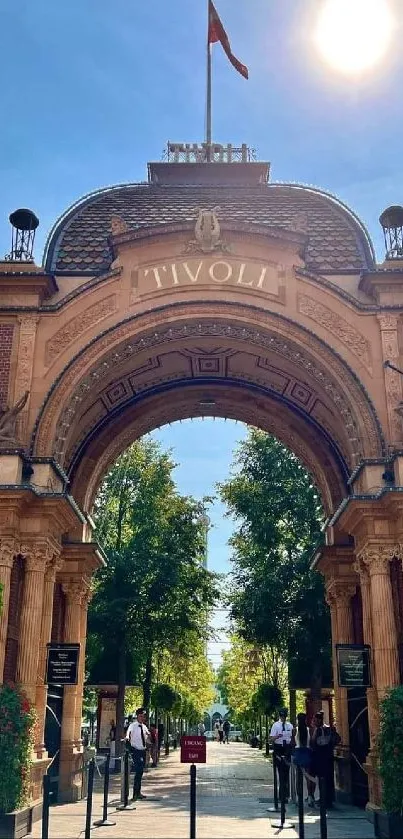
[(207, 233), (118, 226), (70, 331), (338, 326), (327, 369), (8, 423), (75, 590), (377, 557), (8, 551)]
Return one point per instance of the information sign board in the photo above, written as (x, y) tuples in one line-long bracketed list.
[(62, 664), (193, 749), (353, 665)]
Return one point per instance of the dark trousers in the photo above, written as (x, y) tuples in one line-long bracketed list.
[(283, 762), (139, 759)]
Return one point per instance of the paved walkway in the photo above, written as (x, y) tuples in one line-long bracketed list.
[(233, 794)]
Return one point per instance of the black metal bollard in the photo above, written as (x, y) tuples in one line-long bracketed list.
[(193, 801), (105, 821), (282, 771), (300, 797), (275, 781), (91, 770), (125, 785), (45, 807), (322, 806)]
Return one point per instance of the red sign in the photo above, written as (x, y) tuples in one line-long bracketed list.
[(193, 749)]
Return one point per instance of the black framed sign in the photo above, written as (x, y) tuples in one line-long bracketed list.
[(62, 664), (353, 665)]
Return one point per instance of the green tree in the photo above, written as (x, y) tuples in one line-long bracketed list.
[(154, 588), (276, 599)]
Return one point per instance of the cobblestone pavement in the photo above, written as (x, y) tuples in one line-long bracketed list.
[(234, 791)]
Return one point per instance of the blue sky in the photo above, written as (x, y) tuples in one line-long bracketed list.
[(203, 450), (93, 89)]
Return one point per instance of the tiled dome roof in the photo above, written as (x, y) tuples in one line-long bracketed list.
[(337, 241)]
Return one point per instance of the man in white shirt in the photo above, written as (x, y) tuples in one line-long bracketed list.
[(282, 736), (138, 736)]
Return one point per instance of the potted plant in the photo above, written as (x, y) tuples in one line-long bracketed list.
[(17, 720), (388, 822)]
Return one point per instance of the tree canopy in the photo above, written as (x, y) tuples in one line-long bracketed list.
[(154, 590), (276, 599)]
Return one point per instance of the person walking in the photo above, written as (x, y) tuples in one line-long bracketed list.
[(153, 744), (282, 737), (303, 756), (322, 742), (221, 732), (161, 732), (226, 727), (138, 736)]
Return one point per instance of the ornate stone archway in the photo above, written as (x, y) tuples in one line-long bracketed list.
[(269, 310)]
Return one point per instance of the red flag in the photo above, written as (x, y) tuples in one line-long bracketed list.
[(216, 32)]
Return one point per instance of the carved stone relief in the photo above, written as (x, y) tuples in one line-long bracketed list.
[(338, 326), (69, 332)]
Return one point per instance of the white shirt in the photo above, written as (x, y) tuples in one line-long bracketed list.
[(279, 735), (133, 735)]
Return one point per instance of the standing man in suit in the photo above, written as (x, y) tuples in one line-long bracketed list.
[(138, 736)]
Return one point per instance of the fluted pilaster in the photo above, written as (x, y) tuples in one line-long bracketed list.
[(384, 636), (36, 558), (81, 675), (74, 590), (54, 565), (8, 550), (339, 594)]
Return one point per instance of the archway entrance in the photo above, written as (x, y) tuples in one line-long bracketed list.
[(265, 307)]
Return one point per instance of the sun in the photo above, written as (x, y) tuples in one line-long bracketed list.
[(353, 35)]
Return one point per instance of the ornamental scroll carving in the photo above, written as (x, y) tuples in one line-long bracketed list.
[(393, 380), (327, 371), (70, 331), (338, 326), (26, 346)]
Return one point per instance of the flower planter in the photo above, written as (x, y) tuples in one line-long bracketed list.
[(388, 825), (17, 824)]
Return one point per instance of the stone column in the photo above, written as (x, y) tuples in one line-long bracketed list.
[(384, 636), (54, 565), (341, 593), (69, 778), (80, 687), (8, 550), (372, 696), (36, 556)]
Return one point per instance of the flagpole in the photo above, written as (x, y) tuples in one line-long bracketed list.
[(208, 98)]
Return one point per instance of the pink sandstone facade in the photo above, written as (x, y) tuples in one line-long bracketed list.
[(205, 291)]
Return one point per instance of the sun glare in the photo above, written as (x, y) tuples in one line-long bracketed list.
[(353, 35)]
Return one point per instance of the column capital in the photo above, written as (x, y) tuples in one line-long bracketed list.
[(8, 550), (38, 553), (75, 590), (376, 558), (340, 592)]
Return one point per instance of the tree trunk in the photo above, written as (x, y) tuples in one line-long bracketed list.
[(120, 702), (315, 698), (147, 681), (293, 706)]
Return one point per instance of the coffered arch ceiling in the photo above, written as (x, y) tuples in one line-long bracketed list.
[(225, 360)]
